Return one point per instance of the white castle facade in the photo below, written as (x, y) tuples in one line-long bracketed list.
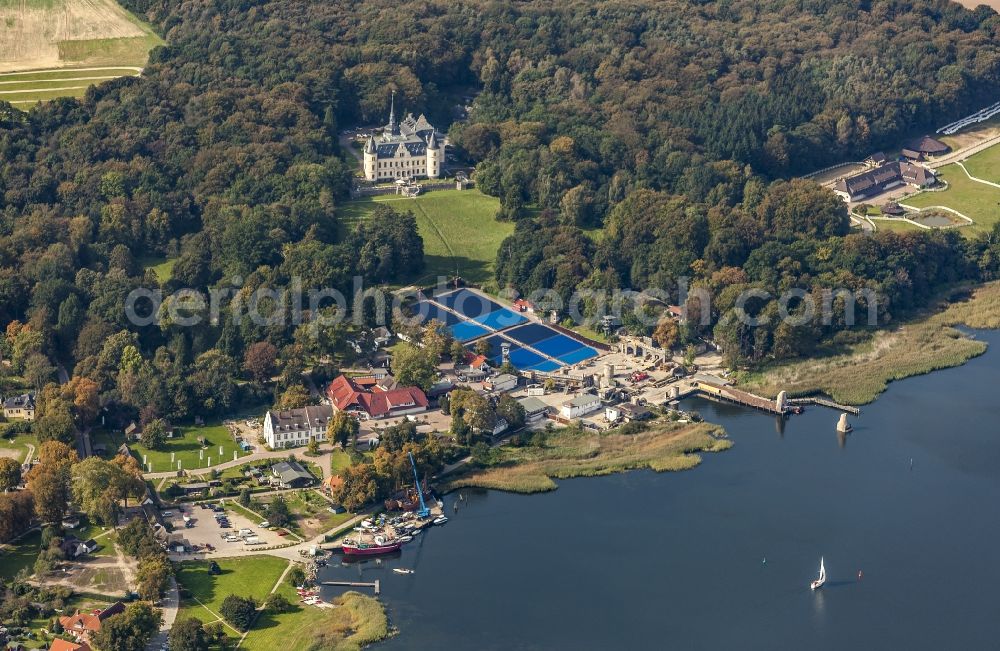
[(406, 150)]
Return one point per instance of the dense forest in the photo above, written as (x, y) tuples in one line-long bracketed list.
[(670, 124)]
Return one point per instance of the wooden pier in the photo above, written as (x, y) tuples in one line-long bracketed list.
[(729, 394), (356, 584), (823, 402)]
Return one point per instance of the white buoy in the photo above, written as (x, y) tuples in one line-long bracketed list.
[(842, 425)]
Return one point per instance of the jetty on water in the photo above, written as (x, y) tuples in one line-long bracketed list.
[(713, 387), (377, 584)]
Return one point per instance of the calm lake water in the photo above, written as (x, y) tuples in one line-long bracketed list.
[(641, 559)]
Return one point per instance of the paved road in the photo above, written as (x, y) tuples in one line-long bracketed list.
[(964, 153), (170, 605)]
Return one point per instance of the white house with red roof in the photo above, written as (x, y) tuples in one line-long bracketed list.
[(369, 397)]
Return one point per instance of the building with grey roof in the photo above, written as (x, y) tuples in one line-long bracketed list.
[(408, 149)]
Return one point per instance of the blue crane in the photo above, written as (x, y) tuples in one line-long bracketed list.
[(424, 511)]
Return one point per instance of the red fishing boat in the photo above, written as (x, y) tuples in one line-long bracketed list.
[(378, 546)]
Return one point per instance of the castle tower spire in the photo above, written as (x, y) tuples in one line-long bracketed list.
[(392, 127)]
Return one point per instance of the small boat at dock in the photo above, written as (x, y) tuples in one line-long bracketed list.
[(402, 570), (441, 520), (818, 583)]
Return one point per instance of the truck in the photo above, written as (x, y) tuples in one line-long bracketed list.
[(253, 540), (245, 532)]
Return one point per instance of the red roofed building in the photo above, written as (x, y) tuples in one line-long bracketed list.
[(81, 625), (372, 398), (523, 305), (63, 645)]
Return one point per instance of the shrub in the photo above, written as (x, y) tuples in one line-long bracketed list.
[(238, 611)]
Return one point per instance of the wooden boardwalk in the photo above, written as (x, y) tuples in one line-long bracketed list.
[(729, 394), (356, 584)]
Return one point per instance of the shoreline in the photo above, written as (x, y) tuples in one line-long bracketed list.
[(566, 453), (927, 342)]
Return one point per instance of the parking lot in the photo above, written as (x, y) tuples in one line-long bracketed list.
[(206, 530)]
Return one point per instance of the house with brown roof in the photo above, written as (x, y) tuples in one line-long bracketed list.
[(924, 146), (82, 625), (375, 398), (883, 178)]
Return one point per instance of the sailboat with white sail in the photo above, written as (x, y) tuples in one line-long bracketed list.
[(821, 579)]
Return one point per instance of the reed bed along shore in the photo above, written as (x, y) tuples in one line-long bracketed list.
[(858, 374), (573, 452)]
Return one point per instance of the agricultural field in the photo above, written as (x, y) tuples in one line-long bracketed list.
[(58, 48), (978, 201), (985, 165), (461, 235)]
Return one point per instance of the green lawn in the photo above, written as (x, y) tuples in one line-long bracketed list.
[(358, 620), (162, 267), (248, 576), (896, 226), (184, 446), (339, 460), (460, 232), (978, 201), (311, 514), (17, 447), (986, 164), (19, 555)]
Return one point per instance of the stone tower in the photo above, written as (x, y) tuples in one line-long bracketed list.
[(435, 152), (371, 159)]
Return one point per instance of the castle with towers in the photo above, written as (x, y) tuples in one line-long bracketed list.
[(408, 149)]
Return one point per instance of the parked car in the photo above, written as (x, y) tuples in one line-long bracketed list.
[(267, 524)]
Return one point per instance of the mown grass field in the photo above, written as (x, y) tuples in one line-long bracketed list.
[(17, 447), (986, 164), (247, 576), (358, 620), (571, 452), (858, 374), (20, 555), (896, 226), (184, 446), (461, 235), (978, 201)]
